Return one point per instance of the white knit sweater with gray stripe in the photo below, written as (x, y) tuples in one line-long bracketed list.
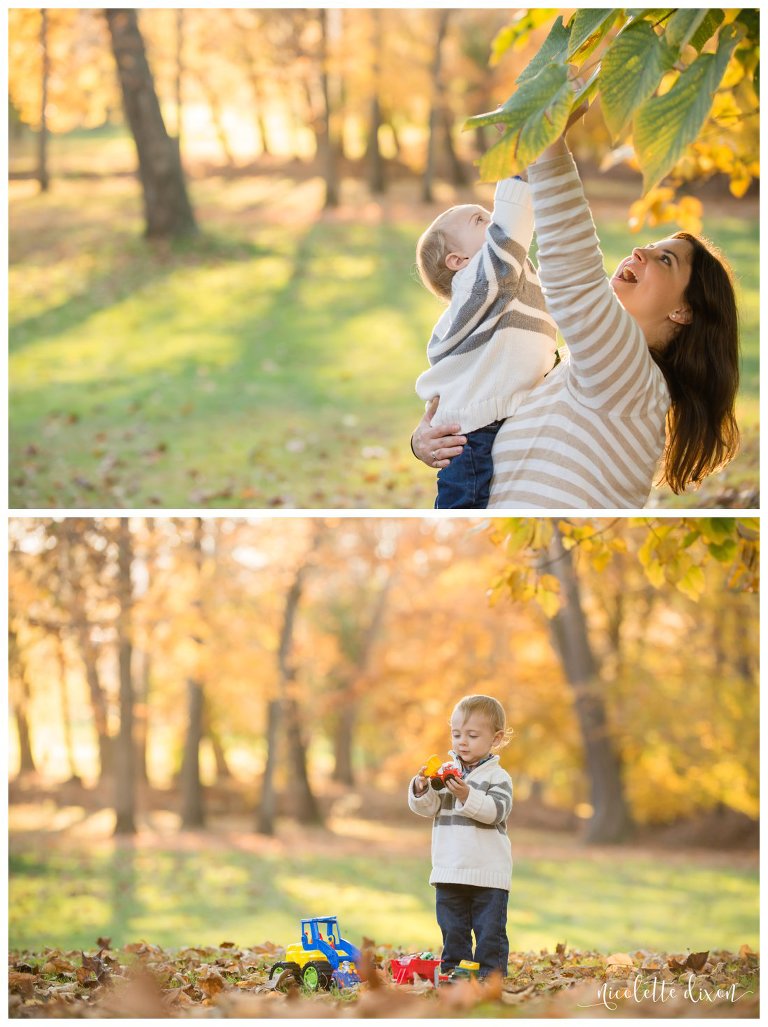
[(496, 340), (591, 435), (469, 840)]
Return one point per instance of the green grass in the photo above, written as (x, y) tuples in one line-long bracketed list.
[(269, 363), (172, 898)]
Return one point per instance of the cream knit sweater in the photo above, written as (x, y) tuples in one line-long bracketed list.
[(496, 340), (469, 840)]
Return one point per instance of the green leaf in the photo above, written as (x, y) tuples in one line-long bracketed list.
[(665, 125), (750, 19), (536, 115), (707, 29), (553, 50), (681, 27), (720, 527), (587, 28), (724, 552), (632, 68)]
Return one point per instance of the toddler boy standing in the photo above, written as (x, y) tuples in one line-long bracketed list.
[(471, 854)]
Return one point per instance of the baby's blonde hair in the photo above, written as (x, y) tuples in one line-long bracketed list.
[(431, 250), (488, 707)]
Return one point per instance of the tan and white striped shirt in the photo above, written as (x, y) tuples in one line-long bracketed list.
[(591, 435)]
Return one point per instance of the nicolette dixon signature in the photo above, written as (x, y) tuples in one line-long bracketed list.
[(653, 990)]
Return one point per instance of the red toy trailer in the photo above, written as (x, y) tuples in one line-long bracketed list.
[(406, 967)]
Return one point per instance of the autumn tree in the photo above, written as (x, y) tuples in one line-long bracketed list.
[(167, 210)]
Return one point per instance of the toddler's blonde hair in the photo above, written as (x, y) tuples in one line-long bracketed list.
[(431, 250), (490, 708)]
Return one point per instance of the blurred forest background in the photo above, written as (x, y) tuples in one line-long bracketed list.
[(213, 723), (302, 152)]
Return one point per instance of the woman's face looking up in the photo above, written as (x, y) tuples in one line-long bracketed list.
[(651, 286)]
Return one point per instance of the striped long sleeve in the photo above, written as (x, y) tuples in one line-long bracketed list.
[(591, 435), (496, 339)]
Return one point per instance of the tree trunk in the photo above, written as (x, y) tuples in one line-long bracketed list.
[(125, 794), (328, 152), (265, 820), (458, 171), (375, 161), (179, 75), (305, 805), (610, 821), (167, 209), (275, 711), (222, 767), (143, 662), (66, 716), (434, 112), (89, 656), (214, 104), (343, 744), (21, 704), (192, 804), (42, 142), (343, 770)]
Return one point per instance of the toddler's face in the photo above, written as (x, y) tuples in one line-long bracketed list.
[(466, 227), (474, 737)]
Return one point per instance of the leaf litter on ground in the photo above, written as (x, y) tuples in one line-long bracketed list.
[(145, 980)]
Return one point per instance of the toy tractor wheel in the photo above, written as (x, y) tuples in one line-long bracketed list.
[(287, 975), (316, 976), (437, 783)]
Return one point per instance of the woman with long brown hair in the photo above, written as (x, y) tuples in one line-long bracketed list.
[(648, 388)]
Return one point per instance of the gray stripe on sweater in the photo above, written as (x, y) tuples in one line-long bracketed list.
[(457, 820), (513, 319)]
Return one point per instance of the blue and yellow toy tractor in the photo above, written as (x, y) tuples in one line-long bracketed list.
[(321, 959)]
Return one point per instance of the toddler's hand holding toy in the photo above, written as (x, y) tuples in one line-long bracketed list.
[(458, 788), (421, 784)]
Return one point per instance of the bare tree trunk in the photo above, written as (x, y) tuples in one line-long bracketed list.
[(276, 711), (66, 716), (265, 821), (21, 703), (305, 807), (89, 656), (328, 154), (42, 142), (166, 205), (434, 112), (458, 171), (610, 821), (192, 804), (375, 161), (343, 770), (222, 767), (125, 792), (214, 104), (143, 663), (179, 74)]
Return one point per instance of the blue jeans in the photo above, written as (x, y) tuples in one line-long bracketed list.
[(466, 482), (464, 910)]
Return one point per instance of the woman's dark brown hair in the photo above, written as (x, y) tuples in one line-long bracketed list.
[(701, 367)]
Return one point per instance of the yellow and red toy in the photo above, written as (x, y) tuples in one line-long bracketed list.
[(438, 771)]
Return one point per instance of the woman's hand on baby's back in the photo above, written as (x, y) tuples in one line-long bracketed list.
[(436, 446)]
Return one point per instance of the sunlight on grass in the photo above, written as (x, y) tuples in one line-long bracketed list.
[(218, 372), (173, 898)]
